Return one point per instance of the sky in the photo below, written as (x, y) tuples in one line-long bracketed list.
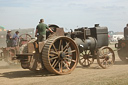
[(68, 14)]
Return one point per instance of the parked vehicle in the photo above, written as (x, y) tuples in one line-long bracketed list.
[(115, 38)]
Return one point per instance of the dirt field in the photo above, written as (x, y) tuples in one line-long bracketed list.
[(115, 75)]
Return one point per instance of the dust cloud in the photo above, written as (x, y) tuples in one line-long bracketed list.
[(5, 65)]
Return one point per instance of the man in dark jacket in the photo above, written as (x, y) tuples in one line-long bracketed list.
[(41, 31), (9, 39), (126, 32)]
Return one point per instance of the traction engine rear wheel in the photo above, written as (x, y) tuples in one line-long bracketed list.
[(86, 59), (60, 55), (105, 57)]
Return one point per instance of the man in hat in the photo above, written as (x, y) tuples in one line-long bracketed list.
[(126, 32), (15, 39), (41, 31), (9, 38)]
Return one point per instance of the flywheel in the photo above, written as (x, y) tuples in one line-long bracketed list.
[(60, 55)]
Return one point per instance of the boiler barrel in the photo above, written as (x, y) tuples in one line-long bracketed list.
[(87, 44)]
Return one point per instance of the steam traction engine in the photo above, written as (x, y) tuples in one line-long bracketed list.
[(122, 48), (9, 53), (93, 44), (59, 54)]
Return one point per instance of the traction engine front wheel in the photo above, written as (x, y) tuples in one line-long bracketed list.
[(105, 57)]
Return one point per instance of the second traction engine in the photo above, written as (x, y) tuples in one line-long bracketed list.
[(90, 38), (93, 44)]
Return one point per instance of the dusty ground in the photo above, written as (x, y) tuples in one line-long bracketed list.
[(115, 75)]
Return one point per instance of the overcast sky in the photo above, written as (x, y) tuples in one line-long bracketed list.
[(68, 14)]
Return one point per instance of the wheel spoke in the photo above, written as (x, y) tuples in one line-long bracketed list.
[(60, 44), (53, 63), (82, 58), (52, 55), (53, 58), (68, 59), (53, 52), (66, 50), (89, 62), (66, 65), (68, 55), (54, 47), (66, 62), (83, 61), (71, 51), (102, 56), (66, 46), (71, 60), (61, 47), (89, 52), (61, 66), (56, 64), (82, 54), (109, 54)]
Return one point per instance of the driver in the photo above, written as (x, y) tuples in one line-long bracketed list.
[(41, 31), (126, 32)]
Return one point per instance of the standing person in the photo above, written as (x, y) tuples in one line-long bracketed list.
[(41, 31), (41, 36), (9, 38), (126, 32), (15, 39)]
